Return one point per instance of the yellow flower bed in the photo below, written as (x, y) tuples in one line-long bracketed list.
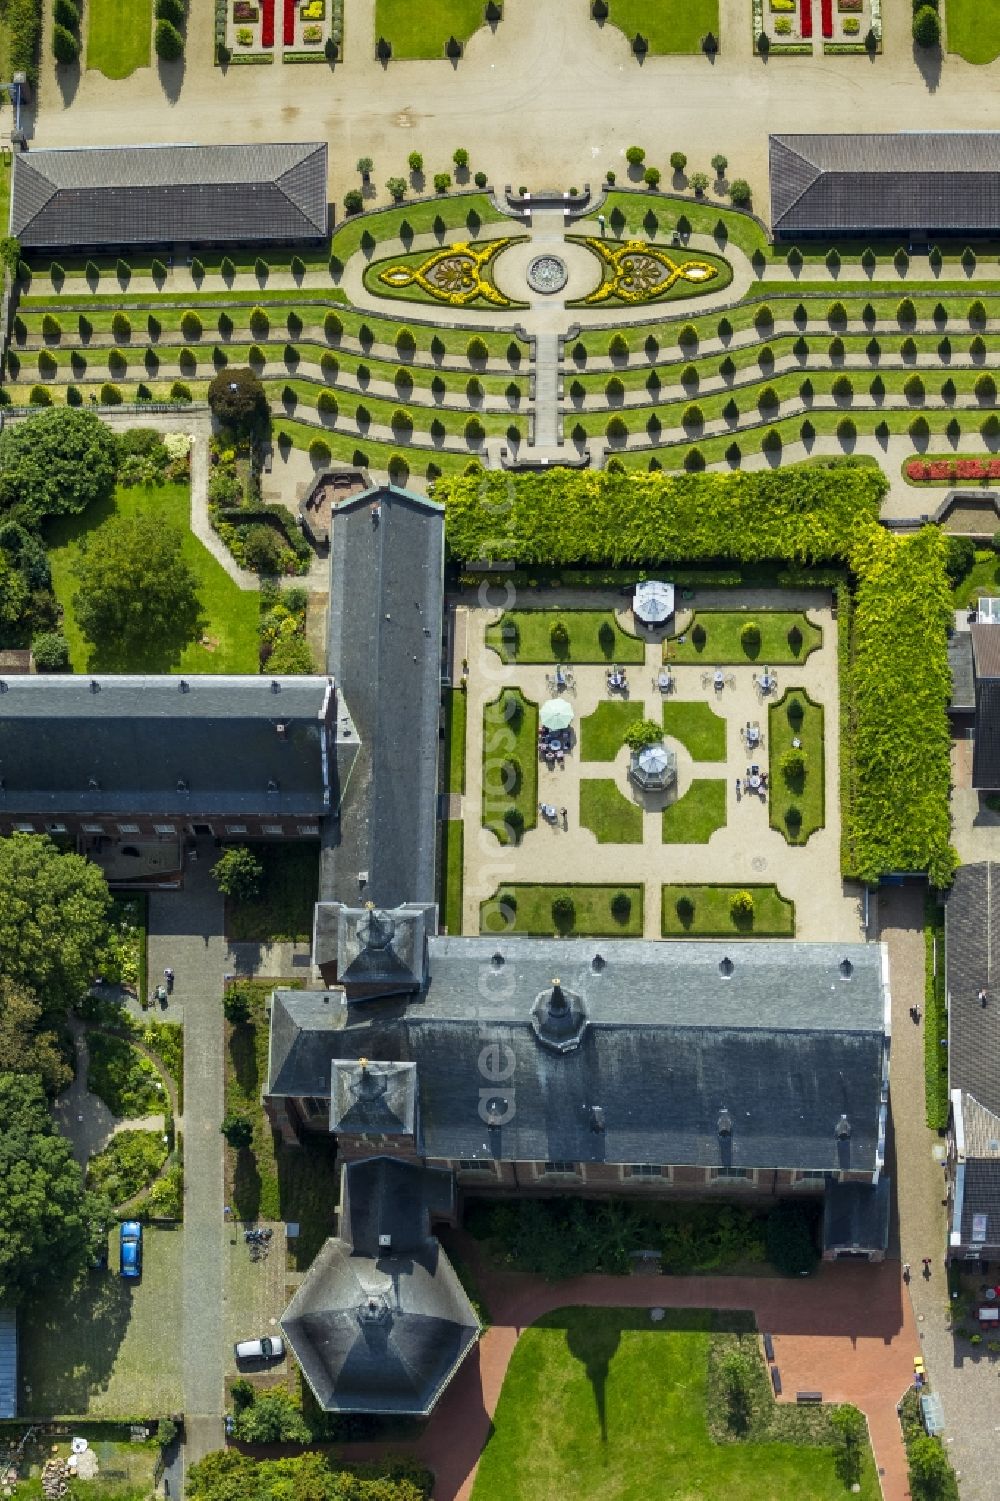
[(782, 5)]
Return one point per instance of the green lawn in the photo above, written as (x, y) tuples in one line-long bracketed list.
[(422, 30), (602, 734), (983, 578), (592, 636), (715, 637), (118, 33), (668, 25), (598, 1402), (973, 29), (510, 765), (229, 643), (283, 911), (608, 813), (452, 852), (807, 797), (694, 818), (699, 729), (528, 910), (456, 708), (267, 1180), (773, 916), (105, 1348)]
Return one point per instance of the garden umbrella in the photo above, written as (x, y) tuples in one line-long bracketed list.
[(654, 760), (653, 601), (556, 714)]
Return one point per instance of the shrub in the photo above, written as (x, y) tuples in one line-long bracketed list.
[(617, 430), (191, 325), (67, 14), (442, 182), (847, 429), (926, 26), (41, 396), (842, 386), (739, 192), (326, 404), (908, 348), (172, 11), (678, 161), (50, 650), (977, 313), (168, 41), (919, 429), (320, 451), (396, 187), (906, 313), (767, 399), (621, 906), (474, 430), (959, 558), (180, 391), (913, 388), (635, 155), (977, 348), (763, 317), (684, 907), (65, 46), (693, 416), (354, 201), (618, 346), (986, 388), (836, 315), (651, 177), (741, 906), (477, 350), (750, 638), (793, 769)]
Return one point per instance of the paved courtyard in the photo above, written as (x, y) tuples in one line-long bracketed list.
[(746, 850)]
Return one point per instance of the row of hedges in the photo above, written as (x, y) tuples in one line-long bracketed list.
[(935, 1019), (24, 22), (895, 684)]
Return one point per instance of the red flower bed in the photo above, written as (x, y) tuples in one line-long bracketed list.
[(289, 23), (267, 23), (806, 19), (827, 10), (923, 471)]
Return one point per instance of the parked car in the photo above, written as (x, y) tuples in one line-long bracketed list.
[(271, 1347), (130, 1249)]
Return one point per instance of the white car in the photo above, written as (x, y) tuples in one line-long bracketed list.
[(271, 1347)]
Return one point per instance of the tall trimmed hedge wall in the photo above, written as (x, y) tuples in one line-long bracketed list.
[(895, 679), (802, 515)]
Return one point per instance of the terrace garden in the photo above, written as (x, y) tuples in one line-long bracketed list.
[(765, 636), (696, 815)]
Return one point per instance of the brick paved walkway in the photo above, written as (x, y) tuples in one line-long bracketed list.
[(847, 1332)]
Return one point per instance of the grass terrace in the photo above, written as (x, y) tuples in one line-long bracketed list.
[(699, 729), (590, 636), (596, 1401), (118, 36), (452, 855), (510, 765), (973, 29), (596, 912), (610, 816), (228, 643), (701, 911), (797, 802), (720, 637), (695, 816)]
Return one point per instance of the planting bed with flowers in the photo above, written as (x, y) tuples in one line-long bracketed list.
[(249, 28), (951, 470)]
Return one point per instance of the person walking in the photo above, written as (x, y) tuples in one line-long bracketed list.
[(739, 789), (927, 1267)]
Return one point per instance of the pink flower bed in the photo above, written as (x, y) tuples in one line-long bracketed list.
[(923, 471), (267, 23), (826, 7), (806, 19), (289, 23), (844, 5)]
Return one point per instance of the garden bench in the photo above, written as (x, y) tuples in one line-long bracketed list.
[(776, 1380), (769, 1347), (808, 1397)]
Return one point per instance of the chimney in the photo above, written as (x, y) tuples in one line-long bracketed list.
[(725, 1122), (842, 1129), (558, 1004), (282, 730)]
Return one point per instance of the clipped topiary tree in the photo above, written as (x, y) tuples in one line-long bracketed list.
[(168, 41), (793, 769), (750, 638), (741, 907)]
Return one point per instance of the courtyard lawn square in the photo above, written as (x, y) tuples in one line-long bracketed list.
[(703, 911), (533, 636), (667, 25), (735, 638), (695, 816), (611, 817), (596, 912), (229, 642), (423, 30), (118, 36), (699, 729), (510, 765), (602, 734), (797, 804), (596, 1402)]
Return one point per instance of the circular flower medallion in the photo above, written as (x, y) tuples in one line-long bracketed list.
[(547, 274)]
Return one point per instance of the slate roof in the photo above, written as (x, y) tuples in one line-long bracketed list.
[(138, 737), (375, 1329), (379, 1099), (159, 195), (980, 1201), (787, 1044), (386, 612), (856, 1216), (986, 672), (963, 687), (370, 949), (927, 181), (972, 962)]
